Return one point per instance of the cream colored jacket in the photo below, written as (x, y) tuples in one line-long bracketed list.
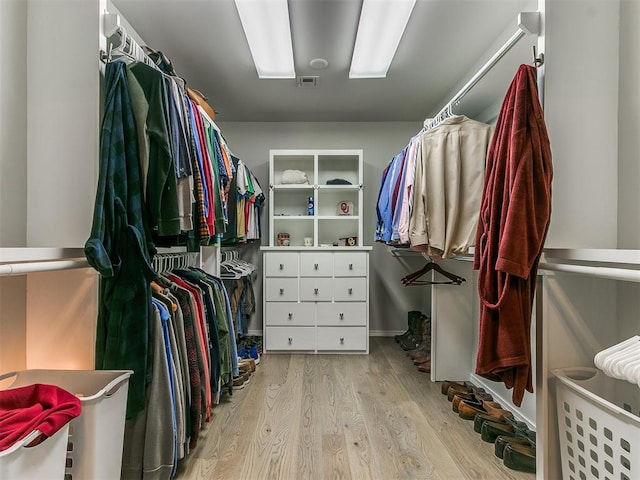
[(448, 186)]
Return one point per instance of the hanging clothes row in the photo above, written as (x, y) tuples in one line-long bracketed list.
[(430, 192), (237, 275), (165, 173), (194, 362)]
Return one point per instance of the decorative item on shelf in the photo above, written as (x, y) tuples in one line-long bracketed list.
[(338, 181), (310, 206), (294, 177), (345, 208), (308, 242), (349, 241), (283, 239)]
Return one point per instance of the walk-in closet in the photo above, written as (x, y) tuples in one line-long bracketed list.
[(422, 264)]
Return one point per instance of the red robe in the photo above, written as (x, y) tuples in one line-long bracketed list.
[(514, 218)]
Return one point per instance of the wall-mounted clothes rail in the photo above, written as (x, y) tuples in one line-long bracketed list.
[(166, 262), (9, 269), (528, 23), (623, 274)]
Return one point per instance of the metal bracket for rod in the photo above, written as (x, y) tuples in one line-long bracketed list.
[(538, 60), (529, 22)]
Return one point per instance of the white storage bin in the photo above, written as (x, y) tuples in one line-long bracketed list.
[(95, 438), (45, 461), (599, 425)]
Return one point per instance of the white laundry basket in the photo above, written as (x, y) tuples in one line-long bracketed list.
[(599, 425), (45, 461), (95, 438)]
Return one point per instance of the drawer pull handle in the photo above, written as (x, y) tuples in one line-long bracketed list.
[(290, 316), (282, 266), (351, 266), (341, 340), (290, 340), (315, 266), (315, 291), (351, 291), (342, 316), (282, 291)]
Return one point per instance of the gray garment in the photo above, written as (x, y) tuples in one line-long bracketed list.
[(148, 439), (185, 200), (178, 386), (178, 325)]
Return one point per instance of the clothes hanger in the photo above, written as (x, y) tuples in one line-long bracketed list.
[(412, 278)]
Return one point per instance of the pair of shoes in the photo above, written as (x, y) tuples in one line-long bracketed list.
[(412, 317), (480, 418), (502, 441), (468, 409), (470, 397), (453, 391), (444, 388), (247, 363), (425, 366), (238, 383), (520, 457)]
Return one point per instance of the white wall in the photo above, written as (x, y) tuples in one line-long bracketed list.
[(629, 115), (251, 142), (581, 109), (13, 176), (13, 123)]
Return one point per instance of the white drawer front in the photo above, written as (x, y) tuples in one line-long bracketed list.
[(281, 289), (316, 289), (287, 313), (278, 264), (350, 264), (342, 338), (290, 338), (316, 264), (344, 313), (350, 289)]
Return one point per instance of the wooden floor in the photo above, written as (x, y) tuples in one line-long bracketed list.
[(341, 417)]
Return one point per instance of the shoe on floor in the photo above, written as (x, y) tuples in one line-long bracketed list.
[(520, 457), (502, 442), (444, 388), (238, 383)]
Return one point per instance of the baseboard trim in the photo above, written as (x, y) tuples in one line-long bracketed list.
[(385, 333)]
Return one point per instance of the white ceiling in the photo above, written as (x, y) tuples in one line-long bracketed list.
[(443, 43)]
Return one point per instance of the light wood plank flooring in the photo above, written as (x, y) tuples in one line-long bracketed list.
[(341, 417)]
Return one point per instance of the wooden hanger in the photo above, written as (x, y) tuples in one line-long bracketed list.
[(411, 279)]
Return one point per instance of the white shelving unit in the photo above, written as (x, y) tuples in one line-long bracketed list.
[(316, 297), (288, 203)]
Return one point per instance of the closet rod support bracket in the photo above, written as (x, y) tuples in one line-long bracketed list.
[(529, 22)]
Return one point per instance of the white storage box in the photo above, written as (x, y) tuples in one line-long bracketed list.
[(599, 425), (44, 461), (95, 438)]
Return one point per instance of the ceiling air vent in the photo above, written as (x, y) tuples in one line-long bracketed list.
[(307, 82)]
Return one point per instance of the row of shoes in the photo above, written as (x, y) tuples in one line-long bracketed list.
[(514, 442), (416, 341), (249, 351)]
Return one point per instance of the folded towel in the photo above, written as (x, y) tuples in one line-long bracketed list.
[(294, 176)]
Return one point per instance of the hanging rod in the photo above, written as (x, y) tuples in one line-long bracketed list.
[(9, 269), (528, 23), (601, 272)]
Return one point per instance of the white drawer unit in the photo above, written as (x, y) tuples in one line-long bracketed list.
[(316, 289), (342, 314), (281, 290), (350, 264), (290, 314), (290, 338), (281, 264), (347, 289), (342, 338), (316, 264)]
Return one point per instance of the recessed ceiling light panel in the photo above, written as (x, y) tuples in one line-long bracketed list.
[(381, 26), (266, 27)]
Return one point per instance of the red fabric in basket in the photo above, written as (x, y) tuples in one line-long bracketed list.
[(42, 407)]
